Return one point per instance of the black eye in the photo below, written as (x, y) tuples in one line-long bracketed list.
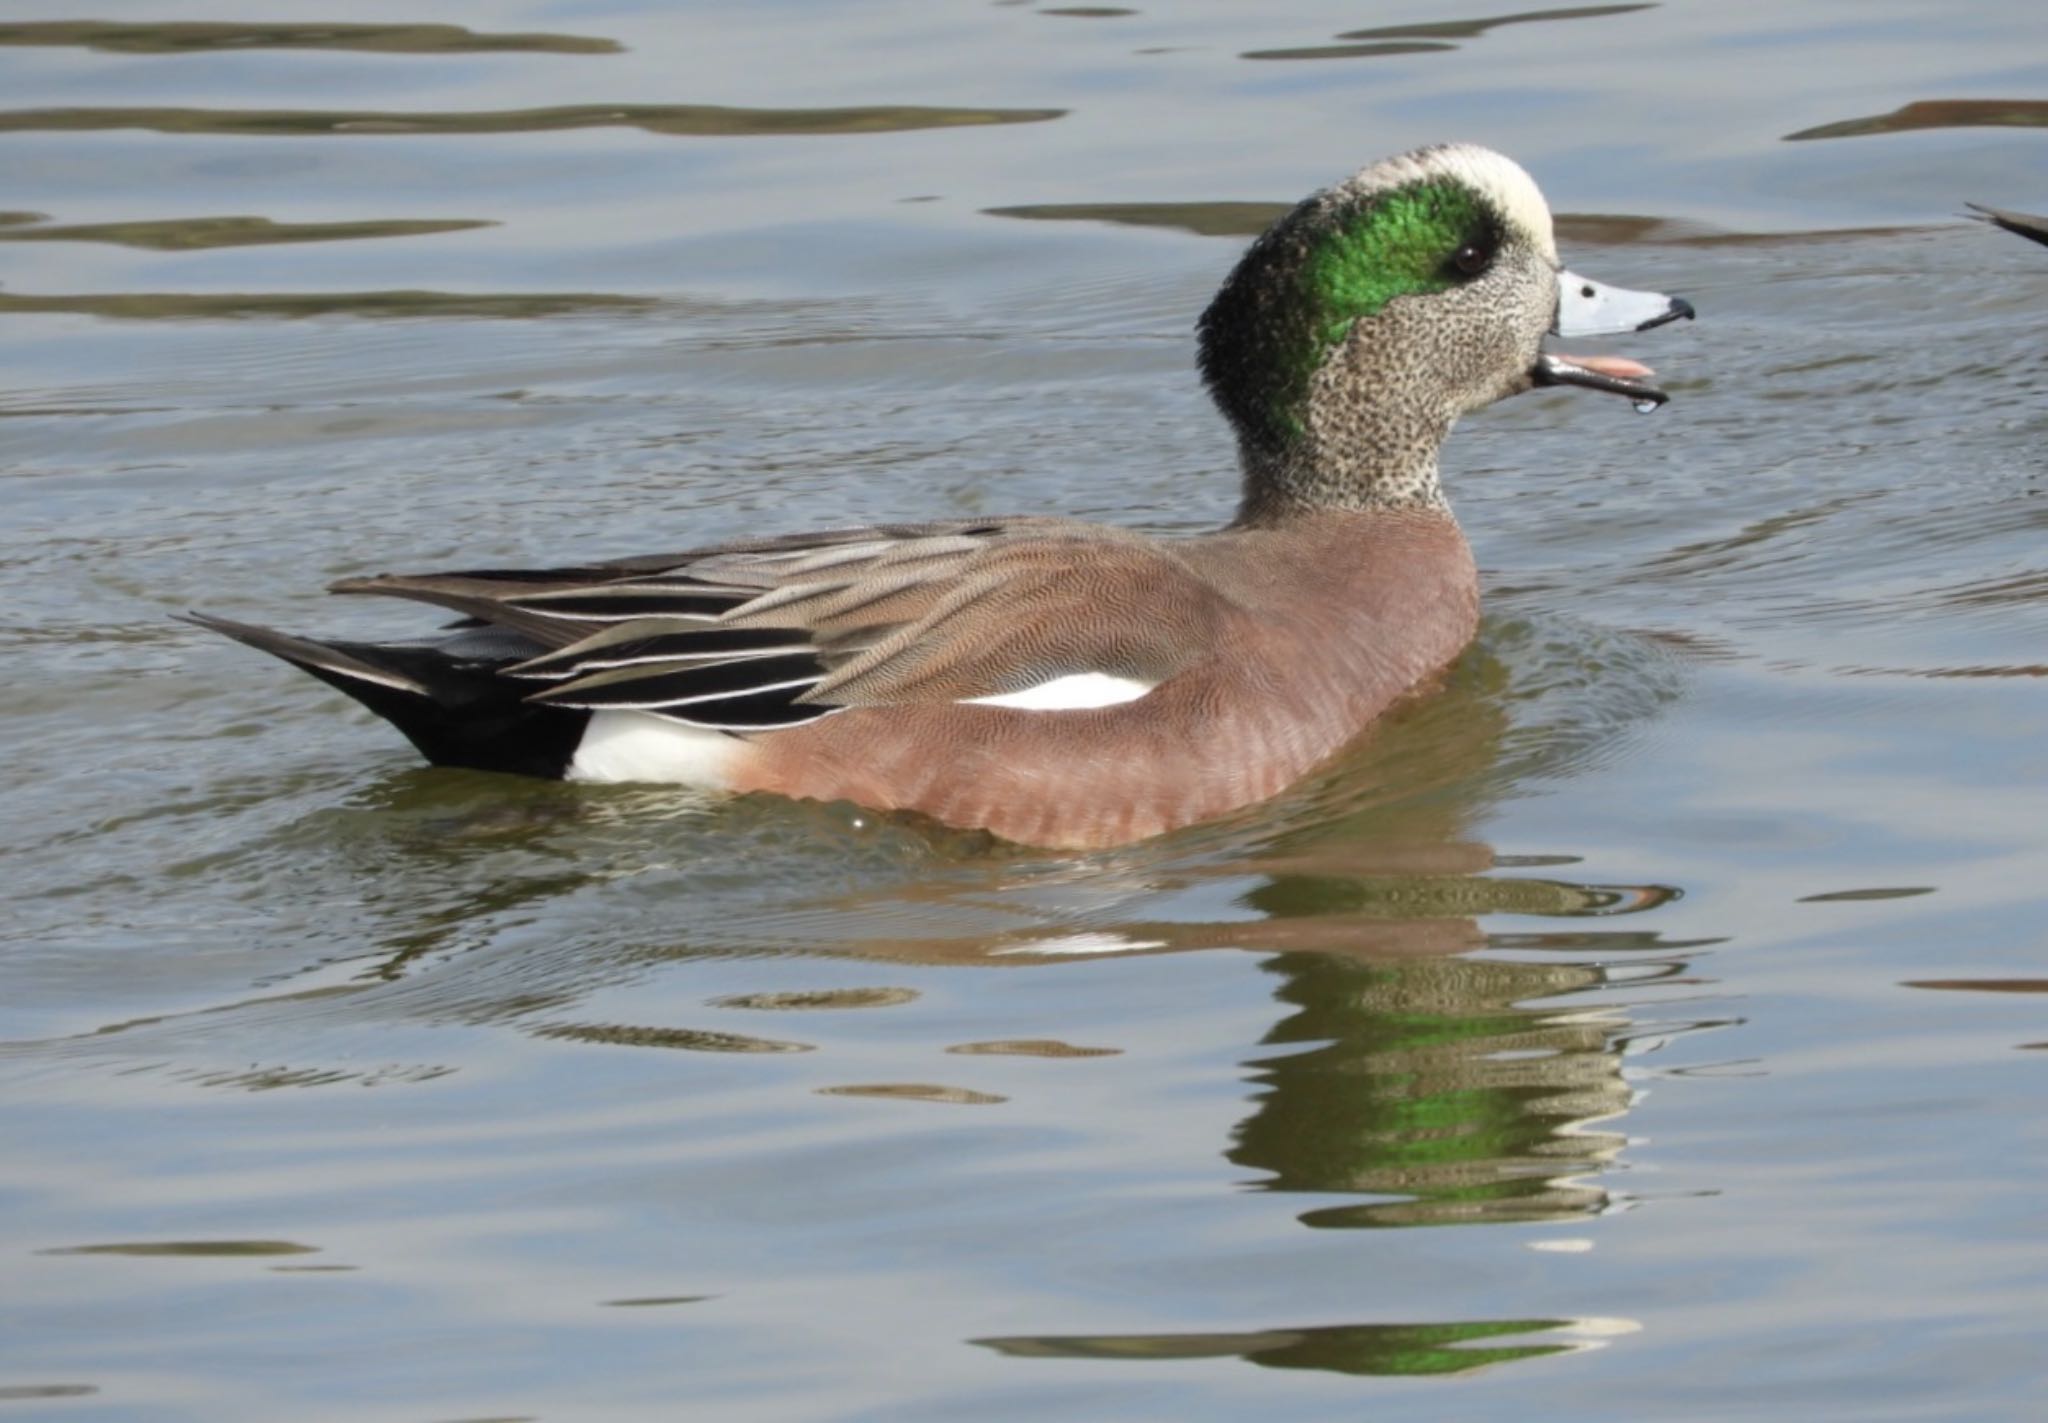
[(1472, 259)]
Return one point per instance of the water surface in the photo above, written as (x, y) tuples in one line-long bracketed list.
[(1648, 1023)]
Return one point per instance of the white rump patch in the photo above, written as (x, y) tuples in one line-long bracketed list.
[(633, 746), (1072, 692)]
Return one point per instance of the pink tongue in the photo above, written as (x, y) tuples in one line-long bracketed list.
[(1620, 367)]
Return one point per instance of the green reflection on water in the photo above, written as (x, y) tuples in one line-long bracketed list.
[(1937, 113), (1433, 1085), (180, 37), (195, 234), (699, 120), (190, 306), (1374, 1349)]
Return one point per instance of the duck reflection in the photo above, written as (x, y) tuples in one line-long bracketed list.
[(1438, 1089), (1402, 1350)]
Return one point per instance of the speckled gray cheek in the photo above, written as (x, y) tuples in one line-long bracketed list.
[(1381, 406)]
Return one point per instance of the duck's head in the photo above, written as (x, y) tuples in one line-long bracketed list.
[(1362, 324)]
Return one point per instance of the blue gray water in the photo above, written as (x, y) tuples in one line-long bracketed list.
[(1651, 1024)]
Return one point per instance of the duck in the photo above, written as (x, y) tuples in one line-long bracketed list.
[(1050, 681)]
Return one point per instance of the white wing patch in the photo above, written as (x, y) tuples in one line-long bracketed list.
[(1072, 692), (633, 746)]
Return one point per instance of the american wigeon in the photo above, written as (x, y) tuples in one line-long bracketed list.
[(1056, 682)]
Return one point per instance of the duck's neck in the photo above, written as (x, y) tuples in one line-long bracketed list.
[(1352, 454)]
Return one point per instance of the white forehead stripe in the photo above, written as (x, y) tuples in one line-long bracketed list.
[(1498, 179)]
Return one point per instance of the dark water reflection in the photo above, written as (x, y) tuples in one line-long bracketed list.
[(1937, 113), (181, 37), (196, 234), (292, 306), (693, 120), (1433, 36), (1249, 219)]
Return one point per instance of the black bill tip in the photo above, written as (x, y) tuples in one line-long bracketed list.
[(1551, 369)]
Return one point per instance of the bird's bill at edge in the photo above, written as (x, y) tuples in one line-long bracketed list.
[(1589, 308)]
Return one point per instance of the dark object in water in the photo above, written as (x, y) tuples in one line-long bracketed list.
[(2025, 224)]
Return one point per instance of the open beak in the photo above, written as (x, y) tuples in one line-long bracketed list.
[(1589, 308)]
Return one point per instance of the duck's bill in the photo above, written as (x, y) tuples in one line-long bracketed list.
[(1589, 308), (1617, 375)]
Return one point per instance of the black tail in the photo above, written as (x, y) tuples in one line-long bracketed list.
[(448, 699)]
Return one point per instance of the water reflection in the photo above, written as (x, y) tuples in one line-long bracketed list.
[(1937, 113), (1346, 51), (694, 120), (1249, 219), (211, 306), (683, 1039), (196, 234), (183, 37), (1473, 29), (1397, 1350), (1433, 35), (1435, 1086), (208, 1249)]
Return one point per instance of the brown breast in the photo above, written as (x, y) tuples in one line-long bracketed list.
[(1338, 617)]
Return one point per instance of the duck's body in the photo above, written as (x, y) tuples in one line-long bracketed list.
[(1055, 682)]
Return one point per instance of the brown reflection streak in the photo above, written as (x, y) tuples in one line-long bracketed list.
[(1346, 51), (1473, 29), (823, 998), (1249, 219), (1433, 35), (2031, 669), (185, 1248), (696, 120), (914, 1092), (213, 306), (195, 234), (1982, 985), (685, 1039), (1031, 1047), (1937, 113), (183, 37)]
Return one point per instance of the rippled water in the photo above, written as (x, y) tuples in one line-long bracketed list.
[(1647, 1025)]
